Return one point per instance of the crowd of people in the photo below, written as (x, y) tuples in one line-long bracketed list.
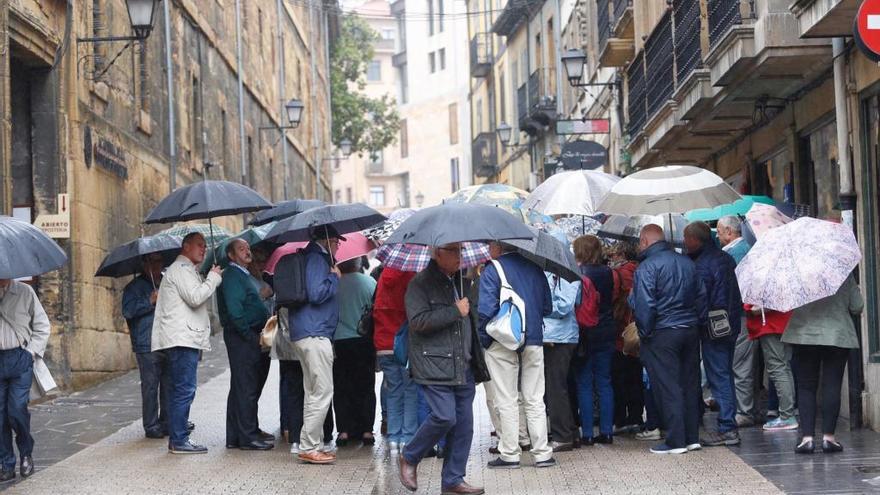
[(669, 339)]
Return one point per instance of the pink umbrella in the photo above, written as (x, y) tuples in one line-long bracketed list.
[(354, 246), (284, 250), (763, 217)]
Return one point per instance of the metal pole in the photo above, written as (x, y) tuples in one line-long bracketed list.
[(313, 69), (169, 70), (281, 87), (847, 193), (241, 137)]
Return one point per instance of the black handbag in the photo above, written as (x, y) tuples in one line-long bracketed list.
[(366, 325)]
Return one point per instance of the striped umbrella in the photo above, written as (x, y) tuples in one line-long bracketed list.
[(577, 192), (668, 189)]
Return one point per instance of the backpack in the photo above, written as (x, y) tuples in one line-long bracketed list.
[(508, 326), (401, 344), (289, 281), (587, 309)]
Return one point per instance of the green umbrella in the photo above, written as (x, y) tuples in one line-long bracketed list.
[(738, 207), (220, 234), (253, 236)]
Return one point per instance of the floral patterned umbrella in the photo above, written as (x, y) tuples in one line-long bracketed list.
[(508, 198), (797, 263), (763, 217)]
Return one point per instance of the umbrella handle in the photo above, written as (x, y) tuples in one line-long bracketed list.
[(213, 246), (329, 251)]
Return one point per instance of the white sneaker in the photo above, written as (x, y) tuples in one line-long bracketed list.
[(329, 447), (294, 448), (649, 435), (694, 446)]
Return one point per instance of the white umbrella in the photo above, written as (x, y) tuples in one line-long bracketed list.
[(669, 189), (576, 192)]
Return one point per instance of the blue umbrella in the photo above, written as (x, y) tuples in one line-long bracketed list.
[(26, 251), (126, 259)]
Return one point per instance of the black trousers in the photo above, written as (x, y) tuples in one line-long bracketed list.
[(292, 397), (626, 380), (354, 386), (246, 364), (808, 359), (557, 362), (155, 384), (672, 356)]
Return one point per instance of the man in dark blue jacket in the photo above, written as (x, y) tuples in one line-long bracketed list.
[(717, 269), (669, 302), (517, 372), (312, 326), (138, 308)]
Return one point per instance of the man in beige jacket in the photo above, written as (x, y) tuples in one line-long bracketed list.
[(182, 328)]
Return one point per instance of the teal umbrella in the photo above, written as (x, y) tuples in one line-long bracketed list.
[(253, 236), (738, 207)]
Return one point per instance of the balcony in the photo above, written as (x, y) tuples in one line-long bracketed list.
[(636, 99), (616, 47), (384, 45), (481, 55), (825, 18), (515, 12), (622, 25), (399, 58), (659, 65), (484, 154), (536, 102)]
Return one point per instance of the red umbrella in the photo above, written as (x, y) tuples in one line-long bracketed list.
[(290, 247)]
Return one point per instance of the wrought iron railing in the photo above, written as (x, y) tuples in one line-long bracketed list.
[(636, 99), (481, 54), (620, 7), (603, 22), (522, 101), (659, 60), (542, 83), (484, 153), (687, 37), (722, 15)]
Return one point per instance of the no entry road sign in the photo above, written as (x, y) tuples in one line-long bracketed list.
[(866, 29)]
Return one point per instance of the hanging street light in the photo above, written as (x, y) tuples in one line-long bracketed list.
[(504, 132), (574, 60), (345, 147), (294, 109), (140, 14)]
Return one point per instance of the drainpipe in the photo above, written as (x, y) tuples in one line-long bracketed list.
[(169, 71), (244, 163), (847, 191), (313, 43), (326, 26), (281, 87), (557, 34)]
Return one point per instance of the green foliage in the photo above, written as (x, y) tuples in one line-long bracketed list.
[(371, 124)]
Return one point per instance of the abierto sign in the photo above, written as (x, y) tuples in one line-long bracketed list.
[(56, 226)]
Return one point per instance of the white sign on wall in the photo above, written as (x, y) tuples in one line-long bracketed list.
[(56, 226)]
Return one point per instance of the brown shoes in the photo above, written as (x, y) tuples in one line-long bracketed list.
[(463, 489), (407, 474), (317, 457)]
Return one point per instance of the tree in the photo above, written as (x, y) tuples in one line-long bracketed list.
[(371, 124)]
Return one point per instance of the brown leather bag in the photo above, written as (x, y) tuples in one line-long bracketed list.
[(267, 335), (631, 341)]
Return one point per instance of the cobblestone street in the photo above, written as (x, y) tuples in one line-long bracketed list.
[(126, 462)]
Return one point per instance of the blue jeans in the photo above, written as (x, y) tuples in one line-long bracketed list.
[(182, 365), (652, 414), (154, 390), (718, 363), (402, 397), (425, 411), (16, 375), (595, 374), (452, 418)]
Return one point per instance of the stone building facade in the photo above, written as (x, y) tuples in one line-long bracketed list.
[(94, 121)]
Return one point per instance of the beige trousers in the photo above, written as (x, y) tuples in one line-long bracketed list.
[(315, 354), (514, 374)]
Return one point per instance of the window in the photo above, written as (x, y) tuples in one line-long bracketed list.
[(440, 15), (195, 117), (375, 163), (387, 34), (142, 77), (337, 196), (442, 57), (502, 96), (260, 31), (479, 118), (377, 195), (453, 123), (431, 18), (454, 174), (404, 139), (432, 62), (404, 85), (224, 140), (348, 196), (374, 71)]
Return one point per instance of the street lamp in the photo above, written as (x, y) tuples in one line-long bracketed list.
[(141, 15), (504, 132), (345, 147), (574, 62), (294, 109)]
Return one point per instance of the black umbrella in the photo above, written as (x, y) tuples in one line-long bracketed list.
[(126, 259), (459, 222), (26, 251), (207, 199), (285, 209), (549, 253), (341, 218)]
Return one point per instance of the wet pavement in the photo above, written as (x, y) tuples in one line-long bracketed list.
[(92, 442)]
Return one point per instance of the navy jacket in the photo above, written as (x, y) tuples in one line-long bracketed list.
[(319, 317), (717, 269), (529, 282), (138, 313), (603, 279), (667, 291)]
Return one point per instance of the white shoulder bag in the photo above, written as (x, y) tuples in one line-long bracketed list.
[(508, 327)]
